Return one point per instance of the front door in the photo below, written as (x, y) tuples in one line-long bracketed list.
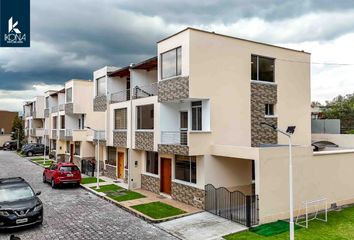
[(120, 169), (183, 127), (71, 153), (166, 176)]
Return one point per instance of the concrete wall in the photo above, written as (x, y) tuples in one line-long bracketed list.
[(342, 140), (329, 126), (316, 175)]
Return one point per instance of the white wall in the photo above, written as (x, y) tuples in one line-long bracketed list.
[(140, 77)]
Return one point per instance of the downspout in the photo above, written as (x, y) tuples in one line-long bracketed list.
[(131, 133)]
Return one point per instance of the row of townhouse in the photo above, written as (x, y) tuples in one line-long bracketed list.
[(191, 117)]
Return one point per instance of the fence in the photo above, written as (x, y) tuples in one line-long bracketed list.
[(234, 206), (174, 137)]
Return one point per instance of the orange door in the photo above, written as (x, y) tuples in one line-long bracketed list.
[(120, 169), (166, 177)]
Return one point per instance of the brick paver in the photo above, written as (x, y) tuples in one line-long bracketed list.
[(73, 213)]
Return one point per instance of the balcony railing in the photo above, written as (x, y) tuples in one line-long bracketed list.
[(54, 109), (121, 96), (99, 135), (145, 91), (62, 107), (174, 137), (68, 132)]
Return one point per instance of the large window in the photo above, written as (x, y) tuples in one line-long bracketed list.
[(145, 117), (77, 148), (152, 162), (120, 118), (262, 68), (47, 102), (171, 63), (55, 122), (69, 95), (197, 116), (101, 86), (186, 168), (62, 122), (111, 156)]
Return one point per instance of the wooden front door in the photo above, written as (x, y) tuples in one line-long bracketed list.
[(71, 153), (120, 168), (166, 176)]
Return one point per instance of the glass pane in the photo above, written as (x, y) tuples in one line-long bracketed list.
[(194, 119), (101, 86), (145, 118), (69, 93), (152, 162), (111, 158), (193, 170), (254, 67), (199, 118), (266, 69), (182, 169), (168, 64), (179, 61), (120, 118)]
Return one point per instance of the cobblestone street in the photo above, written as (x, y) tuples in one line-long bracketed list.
[(73, 213)]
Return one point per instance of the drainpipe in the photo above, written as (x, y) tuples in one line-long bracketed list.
[(130, 150)]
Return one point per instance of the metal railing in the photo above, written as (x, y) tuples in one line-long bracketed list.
[(121, 96), (145, 91), (68, 132), (174, 137), (62, 107), (99, 135), (55, 109)]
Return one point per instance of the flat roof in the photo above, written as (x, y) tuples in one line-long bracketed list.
[(147, 64), (122, 72), (228, 36)]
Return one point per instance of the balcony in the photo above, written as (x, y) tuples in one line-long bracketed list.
[(76, 135), (38, 132), (46, 112), (69, 108), (144, 140), (174, 142), (145, 91), (100, 103), (99, 135), (62, 134), (120, 96), (62, 107)]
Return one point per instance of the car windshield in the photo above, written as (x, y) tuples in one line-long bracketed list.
[(68, 168), (14, 194)]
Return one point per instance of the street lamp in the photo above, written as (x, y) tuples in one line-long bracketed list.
[(98, 158), (289, 132)]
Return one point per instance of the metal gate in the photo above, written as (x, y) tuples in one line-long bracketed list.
[(88, 167), (234, 206)]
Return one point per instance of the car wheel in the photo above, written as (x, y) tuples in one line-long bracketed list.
[(44, 179), (29, 154), (52, 183)]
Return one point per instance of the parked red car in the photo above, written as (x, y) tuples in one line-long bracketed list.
[(62, 173)]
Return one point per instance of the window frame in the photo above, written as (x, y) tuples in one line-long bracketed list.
[(154, 158), (75, 148), (196, 117), (105, 88), (191, 158), (109, 152), (125, 121), (178, 72), (139, 122), (269, 108), (71, 95), (257, 68)]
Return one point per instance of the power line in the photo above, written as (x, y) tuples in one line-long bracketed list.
[(317, 63)]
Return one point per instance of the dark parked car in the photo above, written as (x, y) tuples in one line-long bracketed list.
[(34, 149), (27, 145), (19, 204), (10, 145)]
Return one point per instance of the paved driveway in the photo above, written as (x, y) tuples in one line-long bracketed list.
[(73, 213), (203, 225)]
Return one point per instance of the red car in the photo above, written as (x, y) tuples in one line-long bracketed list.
[(62, 173)]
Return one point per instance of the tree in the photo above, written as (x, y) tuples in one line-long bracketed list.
[(17, 129), (341, 107)]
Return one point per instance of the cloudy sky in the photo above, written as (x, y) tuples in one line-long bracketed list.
[(71, 38)]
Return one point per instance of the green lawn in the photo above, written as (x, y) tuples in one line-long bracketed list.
[(118, 193), (340, 226), (158, 210), (88, 180), (39, 159), (45, 165)]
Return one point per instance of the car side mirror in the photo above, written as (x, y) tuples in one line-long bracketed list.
[(38, 193)]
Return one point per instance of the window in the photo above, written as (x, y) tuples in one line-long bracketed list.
[(120, 118), (67, 147), (111, 156), (62, 122), (262, 68), (54, 144), (47, 102), (77, 148), (186, 168), (101, 86), (55, 122), (269, 109), (197, 115), (145, 117), (171, 63), (69, 95), (152, 162)]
